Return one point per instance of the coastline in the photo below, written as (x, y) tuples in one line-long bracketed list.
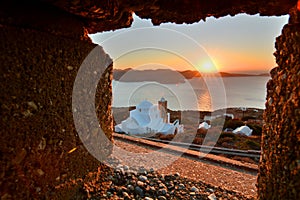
[(167, 76)]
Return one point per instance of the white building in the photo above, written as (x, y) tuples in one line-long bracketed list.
[(245, 130), (149, 118), (204, 125)]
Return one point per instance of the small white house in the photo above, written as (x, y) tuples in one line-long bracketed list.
[(204, 125), (149, 118), (245, 130)]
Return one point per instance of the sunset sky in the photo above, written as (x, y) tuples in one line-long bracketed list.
[(229, 44)]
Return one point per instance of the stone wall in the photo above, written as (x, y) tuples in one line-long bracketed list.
[(279, 172), (40, 148), (43, 43)]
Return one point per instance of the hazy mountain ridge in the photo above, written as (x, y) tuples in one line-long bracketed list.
[(166, 75)]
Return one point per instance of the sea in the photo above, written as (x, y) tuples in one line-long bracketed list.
[(203, 94)]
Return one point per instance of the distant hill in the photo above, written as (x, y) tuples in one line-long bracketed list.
[(264, 74), (165, 75), (159, 75), (226, 74)]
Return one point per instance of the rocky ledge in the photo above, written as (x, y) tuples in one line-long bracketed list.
[(128, 183)]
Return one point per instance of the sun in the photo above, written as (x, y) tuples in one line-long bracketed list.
[(207, 67)]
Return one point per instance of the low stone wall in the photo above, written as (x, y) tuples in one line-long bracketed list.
[(279, 174), (40, 147), (41, 50)]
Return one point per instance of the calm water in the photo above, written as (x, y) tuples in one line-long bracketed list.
[(195, 94)]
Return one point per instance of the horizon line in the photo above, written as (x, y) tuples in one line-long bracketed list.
[(231, 72)]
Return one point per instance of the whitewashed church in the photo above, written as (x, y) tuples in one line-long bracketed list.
[(148, 118)]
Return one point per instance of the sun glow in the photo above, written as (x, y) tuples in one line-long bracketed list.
[(207, 67)]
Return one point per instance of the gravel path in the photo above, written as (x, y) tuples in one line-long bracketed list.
[(166, 163), (172, 177)]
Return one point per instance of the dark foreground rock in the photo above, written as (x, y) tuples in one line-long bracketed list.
[(127, 183)]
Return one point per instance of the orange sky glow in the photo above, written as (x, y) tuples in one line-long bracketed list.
[(231, 44)]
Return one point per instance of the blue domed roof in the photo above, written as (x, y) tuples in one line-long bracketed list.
[(162, 99)]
